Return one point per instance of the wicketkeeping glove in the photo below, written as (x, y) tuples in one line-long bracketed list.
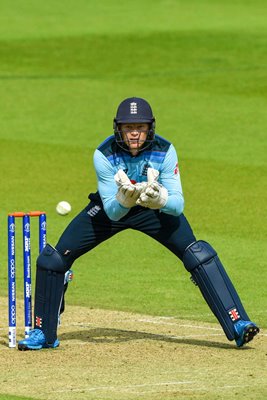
[(155, 195), (128, 192)]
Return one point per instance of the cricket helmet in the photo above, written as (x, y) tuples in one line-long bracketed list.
[(134, 110)]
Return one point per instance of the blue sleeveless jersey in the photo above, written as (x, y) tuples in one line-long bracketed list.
[(161, 155)]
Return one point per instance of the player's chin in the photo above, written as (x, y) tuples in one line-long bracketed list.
[(135, 149)]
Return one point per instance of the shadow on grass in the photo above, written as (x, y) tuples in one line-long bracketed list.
[(105, 335)]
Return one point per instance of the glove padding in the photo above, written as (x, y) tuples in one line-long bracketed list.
[(128, 193), (155, 195)]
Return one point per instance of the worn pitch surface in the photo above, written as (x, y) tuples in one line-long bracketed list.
[(118, 355)]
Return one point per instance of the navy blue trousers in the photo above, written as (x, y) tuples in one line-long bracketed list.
[(92, 226)]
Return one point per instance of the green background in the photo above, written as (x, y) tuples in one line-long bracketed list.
[(64, 68)]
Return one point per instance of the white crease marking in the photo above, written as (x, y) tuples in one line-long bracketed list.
[(151, 385), (176, 324), (118, 388)]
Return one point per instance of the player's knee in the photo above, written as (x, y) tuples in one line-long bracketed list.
[(51, 260), (198, 253)]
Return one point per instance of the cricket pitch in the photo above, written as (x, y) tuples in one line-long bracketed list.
[(118, 355)]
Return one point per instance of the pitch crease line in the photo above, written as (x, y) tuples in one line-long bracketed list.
[(177, 324), (125, 387)]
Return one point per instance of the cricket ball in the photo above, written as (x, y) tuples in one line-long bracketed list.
[(63, 208)]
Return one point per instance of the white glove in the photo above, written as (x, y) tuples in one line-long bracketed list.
[(155, 195), (152, 175), (127, 193)]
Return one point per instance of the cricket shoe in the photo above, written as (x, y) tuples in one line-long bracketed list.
[(245, 332), (36, 341)]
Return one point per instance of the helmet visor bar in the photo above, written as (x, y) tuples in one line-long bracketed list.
[(129, 139)]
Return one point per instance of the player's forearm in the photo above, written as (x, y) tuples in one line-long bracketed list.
[(114, 210), (174, 205)]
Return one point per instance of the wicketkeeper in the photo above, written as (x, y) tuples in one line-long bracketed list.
[(139, 187)]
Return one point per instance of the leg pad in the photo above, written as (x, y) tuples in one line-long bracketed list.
[(201, 260), (48, 292)]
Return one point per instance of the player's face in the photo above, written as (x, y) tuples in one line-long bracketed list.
[(134, 135)]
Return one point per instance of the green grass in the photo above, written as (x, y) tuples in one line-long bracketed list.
[(203, 66), (75, 17), (10, 397)]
